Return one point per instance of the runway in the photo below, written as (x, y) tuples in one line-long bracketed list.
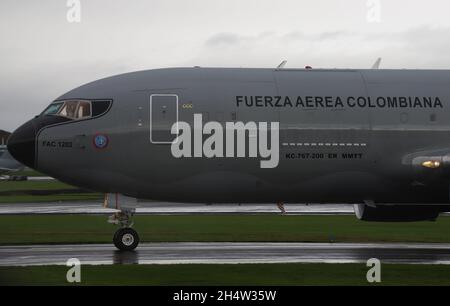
[(40, 178), (164, 208), (227, 253), (30, 178)]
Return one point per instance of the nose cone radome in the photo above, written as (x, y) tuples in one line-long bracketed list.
[(22, 144)]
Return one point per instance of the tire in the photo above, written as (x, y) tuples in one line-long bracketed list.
[(126, 239)]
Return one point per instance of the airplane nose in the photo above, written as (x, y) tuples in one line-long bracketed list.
[(22, 144)]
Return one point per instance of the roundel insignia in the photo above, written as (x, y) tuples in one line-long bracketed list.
[(101, 141)]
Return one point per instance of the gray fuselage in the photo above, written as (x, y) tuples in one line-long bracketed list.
[(344, 136)]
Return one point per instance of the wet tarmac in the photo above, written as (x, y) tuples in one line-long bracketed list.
[(227, 253), (164, 208)]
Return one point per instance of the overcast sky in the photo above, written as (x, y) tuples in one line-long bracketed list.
[(43, 55)]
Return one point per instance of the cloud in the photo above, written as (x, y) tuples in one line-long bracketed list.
[(320, 36), (223, 39), (419, 47), (233, 39)]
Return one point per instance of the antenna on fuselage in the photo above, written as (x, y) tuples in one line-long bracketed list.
[(281, 65), (377, 63)]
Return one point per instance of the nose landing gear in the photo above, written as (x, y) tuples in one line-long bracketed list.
[(125, 238)]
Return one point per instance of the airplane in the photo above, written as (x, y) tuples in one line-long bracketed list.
[(7, 163), (375, 138)]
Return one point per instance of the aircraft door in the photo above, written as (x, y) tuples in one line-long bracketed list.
[(163, 114)]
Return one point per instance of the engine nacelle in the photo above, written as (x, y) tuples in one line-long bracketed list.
[(398, 213)]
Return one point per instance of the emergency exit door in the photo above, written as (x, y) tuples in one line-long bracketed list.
[(163, 114)]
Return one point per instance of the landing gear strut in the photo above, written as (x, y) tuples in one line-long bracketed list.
[(280, 206)]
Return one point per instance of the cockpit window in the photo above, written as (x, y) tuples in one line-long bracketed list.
[(53, 109), (84, 109), (78, 109), (69, 110)]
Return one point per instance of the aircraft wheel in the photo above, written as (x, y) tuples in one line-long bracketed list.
[(126, 239)]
